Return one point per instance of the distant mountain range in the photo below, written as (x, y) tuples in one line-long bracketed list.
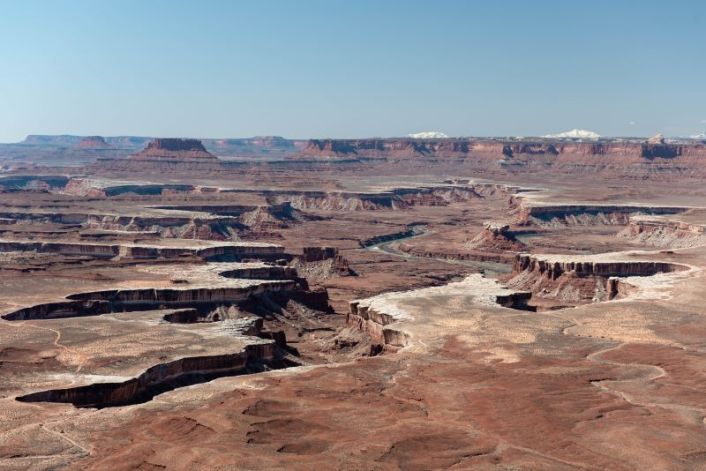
[(575, 134), (428, 135)]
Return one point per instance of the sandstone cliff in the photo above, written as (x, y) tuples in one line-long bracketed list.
[(539, 155), (579, 279)]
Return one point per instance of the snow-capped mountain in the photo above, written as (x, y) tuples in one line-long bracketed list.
[(574, 134), (428, 135), (701, 136)]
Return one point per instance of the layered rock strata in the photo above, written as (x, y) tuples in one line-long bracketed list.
[(478, 147)]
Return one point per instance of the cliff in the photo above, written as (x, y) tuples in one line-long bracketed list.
[(633, 157), (554, 266), (462, 147), (579, 279)]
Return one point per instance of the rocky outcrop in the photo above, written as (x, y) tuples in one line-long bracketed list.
[(495, 237), (266, 219), (575, 280), (320, 263), (664, 233), (554, 267), (376, 324), (318, 254), (439, 196), (336, 201), (249, 221), (174, 149)]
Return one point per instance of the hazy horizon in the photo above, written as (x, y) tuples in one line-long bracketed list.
[(317, 69), (303, 138)]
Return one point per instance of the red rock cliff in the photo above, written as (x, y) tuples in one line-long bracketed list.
[(551, 152)]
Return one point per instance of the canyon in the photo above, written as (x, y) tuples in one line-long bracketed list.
[(398, 303)]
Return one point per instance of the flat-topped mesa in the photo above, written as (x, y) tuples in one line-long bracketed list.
[(174, 149), (93, 142)]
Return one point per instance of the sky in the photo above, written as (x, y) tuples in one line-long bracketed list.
[(342, 68)]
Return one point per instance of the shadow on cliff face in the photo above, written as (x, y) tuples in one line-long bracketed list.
[(272, 319), (167, 377)]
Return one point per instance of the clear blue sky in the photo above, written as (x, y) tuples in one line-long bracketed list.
[(343, 68)]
